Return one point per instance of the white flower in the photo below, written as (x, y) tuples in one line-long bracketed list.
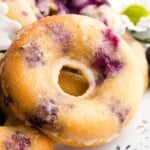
[(8, 27), (135, 14)]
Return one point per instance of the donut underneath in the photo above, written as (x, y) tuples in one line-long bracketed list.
[(140, 53), (28, 11), (23, 138)]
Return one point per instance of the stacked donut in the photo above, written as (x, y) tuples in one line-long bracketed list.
[(29, 11), (16, 136), (72, 79)]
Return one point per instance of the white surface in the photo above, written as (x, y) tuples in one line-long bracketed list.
[(137, 134), (8, 27)]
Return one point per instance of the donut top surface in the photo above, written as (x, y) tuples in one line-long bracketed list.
[(86, 50)]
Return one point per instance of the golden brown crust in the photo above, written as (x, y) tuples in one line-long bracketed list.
[(78, 42), (20, 137), (140, 53)]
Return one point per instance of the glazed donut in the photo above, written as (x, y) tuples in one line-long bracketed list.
[(3, 103), (16, 136), (21, 11), (23, 138), (27, 12), (31, 79), (5, 111), (139, 52)]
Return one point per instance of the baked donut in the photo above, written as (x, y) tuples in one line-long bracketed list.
[(4, 109), (16, 136), (23, 138), (31, 79), (21, 11), (29, 11), (140, 53)]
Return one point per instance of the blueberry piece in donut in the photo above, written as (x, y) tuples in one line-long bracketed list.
[(25, 13), (59, 33), (19, 137), (45, 115), (33, 54), (120, 111), (94, 53), (75, 6), (18, 141), (111, 39), (106, 60), (106, 65)]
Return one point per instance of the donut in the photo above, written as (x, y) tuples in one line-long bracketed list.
[(20, 11), (75, 46), (23, 138), (29, 11), (140, 53), (4, 109), (1, 57), (16, 136)]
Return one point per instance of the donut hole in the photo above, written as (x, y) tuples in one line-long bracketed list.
[(72, 81)]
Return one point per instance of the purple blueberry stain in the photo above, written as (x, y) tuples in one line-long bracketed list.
[(60, 35), (43, 6), (110, 39), (33, 54), (120, 111), (75, 6), (105, 65), (70, 106), (18, 141), (105, 21), (96, 13), (39, 16), (106, 60), (45, 115), (24, 13)]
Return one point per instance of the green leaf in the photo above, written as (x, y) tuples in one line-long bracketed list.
[(135, 12)]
